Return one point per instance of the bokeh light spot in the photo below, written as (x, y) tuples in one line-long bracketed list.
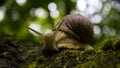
[(2, 13), (97, 29), (21, 2), (15, 15), (96, 18), (41, 13), (106, 30), (54, 14), (52, 6), (81, 5)]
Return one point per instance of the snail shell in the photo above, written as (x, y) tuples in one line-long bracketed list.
[(78, 26), (75, 32)]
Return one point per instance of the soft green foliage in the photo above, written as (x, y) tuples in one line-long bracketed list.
[(16, 15)]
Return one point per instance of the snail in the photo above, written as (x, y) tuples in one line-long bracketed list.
[(73, 31)]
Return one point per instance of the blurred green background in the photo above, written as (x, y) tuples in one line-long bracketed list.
[(42, 15)]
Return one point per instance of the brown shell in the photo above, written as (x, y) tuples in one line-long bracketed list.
[(78, 26)]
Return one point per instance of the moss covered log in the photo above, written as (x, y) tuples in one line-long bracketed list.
[(23, 53)]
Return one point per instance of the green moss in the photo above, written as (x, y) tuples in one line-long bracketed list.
[(107, 44), (27, 54), (118, 65), (33, 64)]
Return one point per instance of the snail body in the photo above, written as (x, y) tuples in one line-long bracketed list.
[(74, 31)]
